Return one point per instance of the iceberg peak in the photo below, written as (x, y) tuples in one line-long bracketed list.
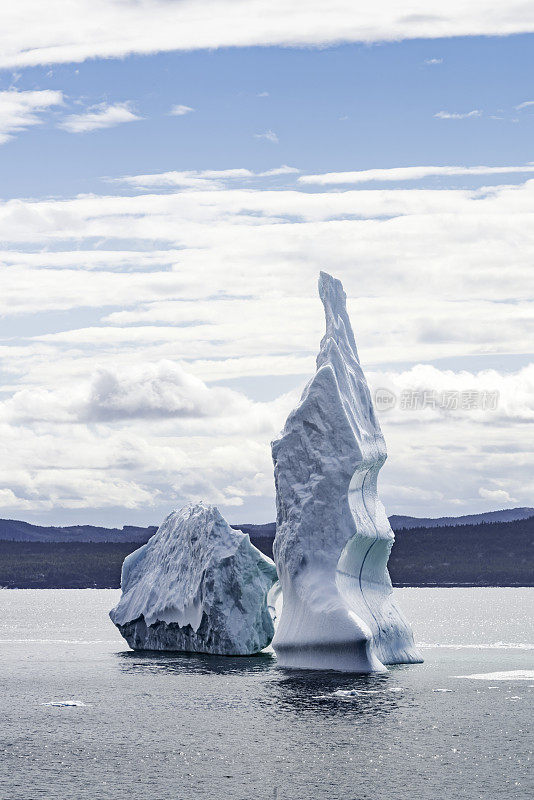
[(338, 325)]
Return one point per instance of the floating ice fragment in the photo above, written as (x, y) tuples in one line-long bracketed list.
[(510, 675), (442, 690), (347, 693)]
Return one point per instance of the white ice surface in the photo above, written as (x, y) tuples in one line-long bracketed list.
[(197, 585), (508, 675), (333, 537)]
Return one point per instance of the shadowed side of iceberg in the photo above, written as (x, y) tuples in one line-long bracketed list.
[(196, 586)]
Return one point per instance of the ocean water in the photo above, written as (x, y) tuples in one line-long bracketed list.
[(174, 727)]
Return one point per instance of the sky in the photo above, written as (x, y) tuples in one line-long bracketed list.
[(173, 177)]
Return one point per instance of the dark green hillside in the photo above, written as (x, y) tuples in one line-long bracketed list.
[(62, 565), (487, 554)]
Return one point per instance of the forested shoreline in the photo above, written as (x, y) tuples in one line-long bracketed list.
[(486, 554)]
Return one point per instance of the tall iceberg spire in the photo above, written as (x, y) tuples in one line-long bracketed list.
[(333, 537)]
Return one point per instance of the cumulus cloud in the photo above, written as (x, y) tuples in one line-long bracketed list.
[(75, 33), (100, 116), (147, 398), (159, 391), (180, 111), (497, 495), (21, 110), (156, 438), (162, 390), (134, 438), (9, 500), (427, 393)]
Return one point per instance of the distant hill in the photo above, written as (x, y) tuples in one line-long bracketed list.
[(62, 565), (18, 531), (484, 554), (266, 531), (506, 515), (476, 554)]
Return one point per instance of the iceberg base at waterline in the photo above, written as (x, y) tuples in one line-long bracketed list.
[(197, 586)]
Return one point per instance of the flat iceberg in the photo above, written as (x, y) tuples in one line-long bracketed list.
[(333, 537), (198, 586)]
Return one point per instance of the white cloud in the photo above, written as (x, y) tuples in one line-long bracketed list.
[(432, 395), (159, 390), (201, 179), (496, 495), (192, 179), (155, 434), (89, 29), (526, 104), (455, 115), (8, 500), (408, 174), (100, 116), (269, 136), (180, 111), (20, 110), (158, 436), (100, 259), (283, 170), (433, 61), (222, 284)]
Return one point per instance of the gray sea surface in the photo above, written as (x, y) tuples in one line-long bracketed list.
[(83, 717)]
